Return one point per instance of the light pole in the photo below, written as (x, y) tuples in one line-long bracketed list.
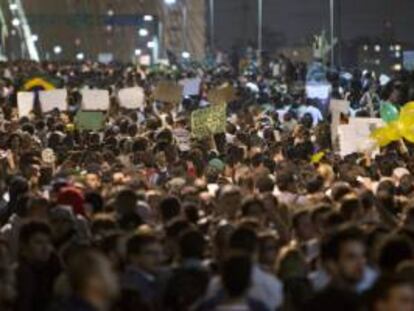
[(260, 28), (332, 32), (212, 16)]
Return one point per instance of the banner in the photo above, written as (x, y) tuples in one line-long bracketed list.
[(212, 120), (95, 100), (90, 120), (168, 92), (191, 87), (222, 94), (52, 99), (25, 101), (132, 98), (318, 91)]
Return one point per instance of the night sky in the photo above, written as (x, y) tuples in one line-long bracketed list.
[(293, 22)]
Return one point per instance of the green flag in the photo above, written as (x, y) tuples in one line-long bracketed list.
[(90, 120), (209, 121)]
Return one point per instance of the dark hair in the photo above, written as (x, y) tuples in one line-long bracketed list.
[(314, 184), (138, 241), (394, 250), (236, 274), (264, 184), (349, 206), (170, 207), (192, 244), (331, 246), (298, 215), (28, 230), (244, 239), (250, 202)]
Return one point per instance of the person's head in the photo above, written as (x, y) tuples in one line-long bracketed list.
[(170, 207), (318, 216), (230, 200), (236, 275), (291, 264), (351, 208), (302, 225), (62, 221), (268, 249), (192, 245), (91, 277), (144, 251), (126, 201), (253, 207), (344, 252), (393, 250), (244, 240), (93, 181), (264, 184), (35, 242), (392, 293)]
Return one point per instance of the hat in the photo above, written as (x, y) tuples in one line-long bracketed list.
[(73, 197), (217, 164)]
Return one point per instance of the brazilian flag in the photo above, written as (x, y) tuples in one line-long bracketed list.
[(40, 83)]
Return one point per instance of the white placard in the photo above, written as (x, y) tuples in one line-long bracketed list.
[(132, 98), (52, 99), (318, 91), (25, 101), (95, 100), (183, 138), (356, 136), (191, 87)]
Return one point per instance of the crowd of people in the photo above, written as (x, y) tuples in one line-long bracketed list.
[(129, 218)]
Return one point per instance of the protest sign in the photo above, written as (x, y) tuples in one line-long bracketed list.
[(222, 94), (318, 91), (132, 98), (52, 99), (183, 138), (338, 105), (25, 101), (209, 121), (95, 100), (356, 136), (191, 87), (90, 120), (168, 92)]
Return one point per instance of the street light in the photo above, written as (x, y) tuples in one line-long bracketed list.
[(35, 38), (80, 56), (143, 32), (185, 55), (151, 44), (260, 27), (148, 18), (57, 49), (137, 52), (170, 2), (13, 7), (15, 22)]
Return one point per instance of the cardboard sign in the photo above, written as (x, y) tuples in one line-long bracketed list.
[(191, 87), (338, 105), (90, 120), (95, 100), (356, 136), (25, 101), (212, 120), (168, 92), (132, 98), (222, 94), (52, 99)]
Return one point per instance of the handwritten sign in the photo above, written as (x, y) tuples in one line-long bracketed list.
[(90, 120), (222, 94), (132, 98), (53, 99), (168, 92), (95, 100), (25, 102), (212, 120)]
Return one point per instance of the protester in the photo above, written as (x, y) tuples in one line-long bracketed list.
[(147, 212)]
